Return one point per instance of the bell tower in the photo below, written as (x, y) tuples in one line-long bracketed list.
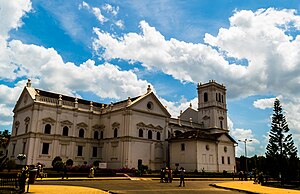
[(212, 111)]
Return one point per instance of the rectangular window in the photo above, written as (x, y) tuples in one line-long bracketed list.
[(223, 162), (24, 146), (13, 150), (95, 153), (45, 149), (182, 147), (79, 151), (63, 150), (221, 124), (228, 160)]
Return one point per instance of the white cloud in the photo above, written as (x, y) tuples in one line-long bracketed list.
[(251, 144), (264, 103), (95, 10), (120, 24), (11, 13), (182, 60), (174, 108), (110, 9), (270, 51), (49, 72)]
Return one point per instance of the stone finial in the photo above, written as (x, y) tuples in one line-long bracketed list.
[(149, 89), (91, 106), (191, 105), (28, 84), (60, 100), (76, 102), (180, 112), (102, 106), (129, 101)]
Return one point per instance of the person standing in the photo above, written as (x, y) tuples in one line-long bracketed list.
[(22, 179), (170, 175), (182, 173), (162, 175), (65, 174)]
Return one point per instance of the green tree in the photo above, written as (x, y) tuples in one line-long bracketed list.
[(281, 147)]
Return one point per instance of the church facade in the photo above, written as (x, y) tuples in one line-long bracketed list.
[(125, 133)]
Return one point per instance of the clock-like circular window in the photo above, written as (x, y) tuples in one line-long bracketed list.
[(225, 149), (150, 105)]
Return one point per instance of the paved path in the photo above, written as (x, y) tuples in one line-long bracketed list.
[(57, 189), (255, 188), (131, 185)]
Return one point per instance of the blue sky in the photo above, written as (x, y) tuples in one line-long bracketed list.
[(108, 50)]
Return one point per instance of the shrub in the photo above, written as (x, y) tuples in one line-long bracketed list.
[(69, 162), (57, 158)]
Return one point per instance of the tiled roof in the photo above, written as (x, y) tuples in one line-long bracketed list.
[(200, 135)]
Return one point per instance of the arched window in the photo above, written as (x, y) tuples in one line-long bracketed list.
[(141, 133), (219, 97), (65, 131), (101, 134), (26, 128), (158, 136), (16, 131), (216, 96), (115, 132), (47, 129), (96, 135), (222, 99), (221, 124), (81, 133), (205, 97), (149, 134)]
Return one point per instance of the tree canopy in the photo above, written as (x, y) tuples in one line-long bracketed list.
[(281, 143)]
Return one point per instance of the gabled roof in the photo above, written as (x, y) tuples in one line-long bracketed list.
[(201, 135), (196, 134), (140, 98)]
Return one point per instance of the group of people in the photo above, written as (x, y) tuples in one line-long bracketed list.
[(166, 175)]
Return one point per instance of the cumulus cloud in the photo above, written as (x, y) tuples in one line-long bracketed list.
[(12, 21), (264, 103), (120, 24), (174, 108), (95, 10), (182, 60), (48, 70), (110, 9), (260, 38), (252, 142)]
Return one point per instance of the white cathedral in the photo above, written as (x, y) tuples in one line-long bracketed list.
[(125, 133)]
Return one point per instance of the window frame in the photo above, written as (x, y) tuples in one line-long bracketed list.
[(95, 152), (45, 149), (158, 136), (79, 150), (150, 134), (182, 147), (96, 135), (81, 133), (141, 132), (65, 131), (46, 128)]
